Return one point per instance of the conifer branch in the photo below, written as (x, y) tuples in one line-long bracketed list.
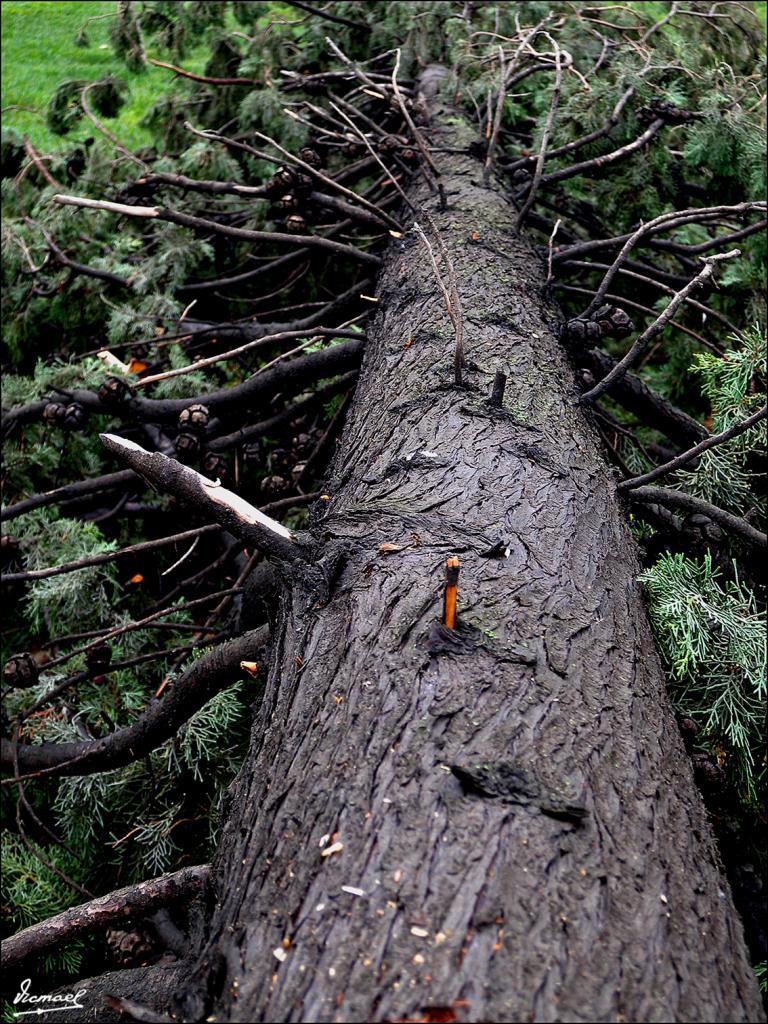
[(208, 675), (538, 173), (204, 224), (92, 485), (126, 905), (692, 453), (109, 556), (227, 508), (656, 327), (677, 499)]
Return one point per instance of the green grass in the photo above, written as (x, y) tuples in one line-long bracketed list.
[(39, 53)]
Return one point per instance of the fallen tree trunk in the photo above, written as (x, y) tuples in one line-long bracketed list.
[(369, 870)]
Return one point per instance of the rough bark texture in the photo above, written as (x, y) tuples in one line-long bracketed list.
[(484, 904)]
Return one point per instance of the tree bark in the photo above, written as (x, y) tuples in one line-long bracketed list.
[(494, 899), (439, 894)]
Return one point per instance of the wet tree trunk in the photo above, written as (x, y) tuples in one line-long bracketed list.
[(478, 890)]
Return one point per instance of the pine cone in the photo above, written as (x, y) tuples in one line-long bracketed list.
[(709, 776), (285, 177), (99, 657), (302, 446), (54, 413), (194, 418), (581, 331), (75, 416), (114, 391), (311, 156), (20, 671), (280, 461), (274, 486), (9, 550), (304, 183), (187, 447), (295, 224), (253, 453), (288, 202), (214, 466), (613, 321), (131, 949)]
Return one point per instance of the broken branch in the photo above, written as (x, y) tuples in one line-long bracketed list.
[(227, 508)]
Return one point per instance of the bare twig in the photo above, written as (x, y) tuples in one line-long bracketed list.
[(666, 222), (417, 136), (450, 294), (663, 222), (202, 78), (233, 353), (550, 248), (110, 556), (37, 160), (105, 131), (497, 118), (537, 175), (318, 13), (656, 327), (108, 482), (659, 24), (310, 241), (606, 159), (584, 140), (356, 70), (363, 138), (692, 453)]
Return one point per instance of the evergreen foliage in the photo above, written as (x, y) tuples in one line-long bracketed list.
[(733, 386), (713, 640)]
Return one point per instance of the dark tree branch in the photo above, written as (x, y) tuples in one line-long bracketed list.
[(583, 141), (36, 159), (292, 412), (203, 224), (82, 268), (598, 162), (201, 78), (655, 328), (286, 377), (202, 681), (129, 904), (110, 556), (666, 222), (677, 499), (108, 482), (327, 16), (692, 453), (648, 405)]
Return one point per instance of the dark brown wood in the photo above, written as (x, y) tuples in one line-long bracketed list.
[(120, 907), (358, 879)]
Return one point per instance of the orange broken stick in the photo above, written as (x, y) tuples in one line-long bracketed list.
[(451, 592)]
